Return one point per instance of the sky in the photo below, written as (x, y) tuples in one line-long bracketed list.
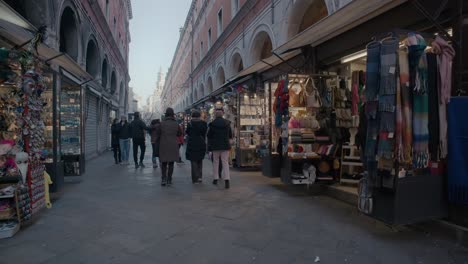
[(154, 32)]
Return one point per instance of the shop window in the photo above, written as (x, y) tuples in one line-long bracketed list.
[(201, 50), (235, 7), (107, 8), (209, 38), (220, 22)]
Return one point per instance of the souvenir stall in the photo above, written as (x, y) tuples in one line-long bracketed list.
[(251, 126), (306, 133), (407, 92), (71, 126), (22, 139)]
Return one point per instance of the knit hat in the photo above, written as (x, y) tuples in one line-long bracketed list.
[(169, 112), (196, 114)]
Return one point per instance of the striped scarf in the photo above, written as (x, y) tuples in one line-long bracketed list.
[(418, 83), (406, 109), (387, 100)]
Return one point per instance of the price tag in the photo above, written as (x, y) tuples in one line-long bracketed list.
[(392, 70), (391, 135)]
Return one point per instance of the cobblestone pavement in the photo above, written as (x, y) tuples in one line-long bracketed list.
[(118, 214)]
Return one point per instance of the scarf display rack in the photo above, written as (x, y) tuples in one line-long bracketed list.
[(404, 182)]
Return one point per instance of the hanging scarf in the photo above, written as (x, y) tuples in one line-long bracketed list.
[(418, 83), (371, 95), (406, 108), (434, 109), (387, 99), (399, 123), (445, 56)]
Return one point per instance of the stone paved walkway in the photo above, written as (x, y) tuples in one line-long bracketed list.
[(117, 214)]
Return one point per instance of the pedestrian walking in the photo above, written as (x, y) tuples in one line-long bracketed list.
[(138, 129), (196, 145), (168, 146), (115, 131), (219, 137), (155, 129), (124, 139)]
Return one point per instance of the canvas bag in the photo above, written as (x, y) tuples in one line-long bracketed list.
[(312, 95)]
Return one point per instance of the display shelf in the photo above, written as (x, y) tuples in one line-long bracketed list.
[(352, 163), (7, 196), (349, 181)]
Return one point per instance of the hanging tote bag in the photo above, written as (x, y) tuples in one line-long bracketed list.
[(296, 93), (312, 96)]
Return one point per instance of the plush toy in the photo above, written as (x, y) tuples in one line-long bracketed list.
[(21, 161)]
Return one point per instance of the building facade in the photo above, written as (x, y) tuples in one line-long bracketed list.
[(95, 35), (221, 38), (155, 101)]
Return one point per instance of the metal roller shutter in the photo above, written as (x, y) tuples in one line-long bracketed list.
[(91, 111)]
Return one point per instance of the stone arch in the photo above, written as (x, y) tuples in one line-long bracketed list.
[(220, 77), (69, 41), (236, 63), (209, 86), (92, 57), (113, 83), (305, 13), (261, 46), (104, 71)]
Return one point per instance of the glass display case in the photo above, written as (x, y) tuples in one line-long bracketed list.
[(71, 128), (253, 129), (53, 161)]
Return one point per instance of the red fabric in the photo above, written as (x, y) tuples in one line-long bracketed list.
[(180, 139)]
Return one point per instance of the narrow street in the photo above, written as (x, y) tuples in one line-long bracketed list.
[(116, 214)]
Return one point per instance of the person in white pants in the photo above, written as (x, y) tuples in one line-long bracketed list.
[(219, 136)]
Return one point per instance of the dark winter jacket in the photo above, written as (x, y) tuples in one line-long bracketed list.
[(196, 139), (167, 133), (154, 130), (115, 131), (219, 134), (137, 129), (124, 130)]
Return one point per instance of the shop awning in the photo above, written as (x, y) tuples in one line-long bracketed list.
[(260, 67), (212, 94), (346, 18), (19, 31)]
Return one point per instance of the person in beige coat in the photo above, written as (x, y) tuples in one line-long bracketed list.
[(168, 145)]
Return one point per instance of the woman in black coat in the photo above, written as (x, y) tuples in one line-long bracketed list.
[(115, 131), (196, 145)]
